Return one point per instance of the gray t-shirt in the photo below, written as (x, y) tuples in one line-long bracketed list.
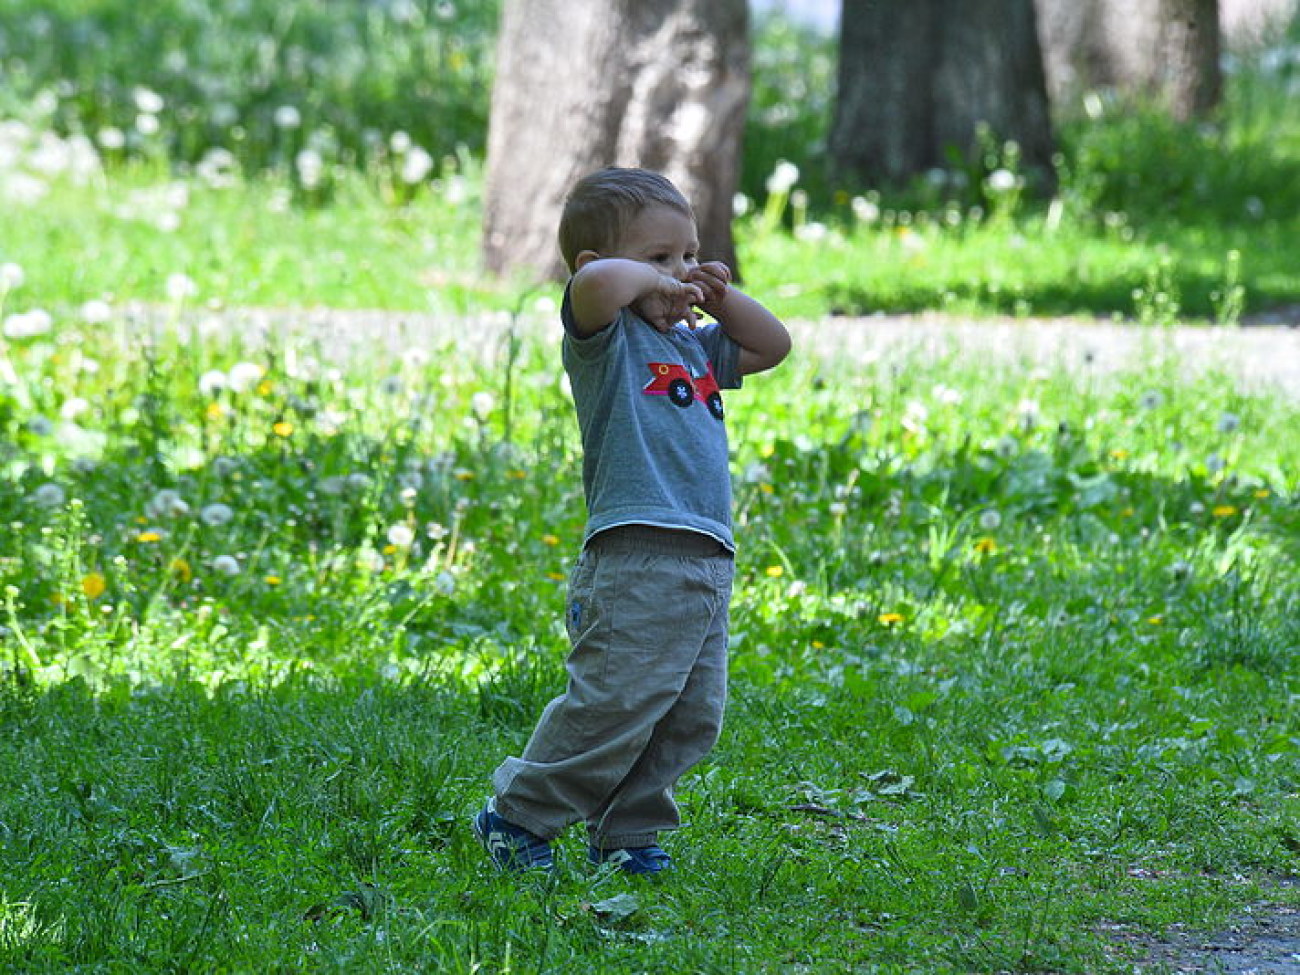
[(653, 438)]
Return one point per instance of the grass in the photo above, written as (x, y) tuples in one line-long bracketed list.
[(1004, 670), (1015, 650)]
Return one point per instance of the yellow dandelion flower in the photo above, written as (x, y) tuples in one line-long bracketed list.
[(215, 411), (181, 570), (551, 540), (283, 428), (1223, 510), (264, 388), (1155, 620), (93, 585), (389, 549), (556, 576), (775, 571), (1262, 493), (149, 536), (986, 546), (1119, 453), (517, 474), (464, 475), (890, 619), (272, 580), (818, 645), (767, 488)]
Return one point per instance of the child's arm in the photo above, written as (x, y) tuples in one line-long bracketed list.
[(603, 287), (763, 340)]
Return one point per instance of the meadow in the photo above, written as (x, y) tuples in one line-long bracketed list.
[(1014, 649)]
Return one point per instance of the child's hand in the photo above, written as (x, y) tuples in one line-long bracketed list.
[(712, 279), (670, 301)]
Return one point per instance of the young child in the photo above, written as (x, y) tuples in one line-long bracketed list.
[(649, 594)]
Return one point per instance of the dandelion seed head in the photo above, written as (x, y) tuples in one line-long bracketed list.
[(865, 210), (73, 407), (990, 520), (180, 286), (216, 514), (784, 176), (226, 565), (28, 324), (481, 404), (401, 535), (12, 276), (49, 495), (212, 382), (310, 167), (147, 100), (416, 166), (287, 117), (167, 503), (111, 138), (1001, 181), (243, 376)]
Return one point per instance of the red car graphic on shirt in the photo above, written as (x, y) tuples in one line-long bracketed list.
[(682, 389)]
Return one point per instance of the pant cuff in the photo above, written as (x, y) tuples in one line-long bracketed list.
[(623, 841), (534, 826)]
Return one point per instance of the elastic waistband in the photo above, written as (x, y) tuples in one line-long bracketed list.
[(660, 541)]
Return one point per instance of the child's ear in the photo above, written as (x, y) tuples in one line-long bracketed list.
[(585, 257)]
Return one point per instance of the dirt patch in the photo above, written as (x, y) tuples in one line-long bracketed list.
[(1265, 940), (1256, 359), (1263, 358)]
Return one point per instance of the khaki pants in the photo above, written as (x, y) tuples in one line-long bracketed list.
[(647, 618)]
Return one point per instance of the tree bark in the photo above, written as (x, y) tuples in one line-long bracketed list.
[(1162, 50), (918, 78), (582, 84)]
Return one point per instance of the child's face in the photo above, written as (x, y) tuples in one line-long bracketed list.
[(662, 237)]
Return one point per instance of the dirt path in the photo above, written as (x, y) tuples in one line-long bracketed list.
[(1257, 358), (1265, 940)]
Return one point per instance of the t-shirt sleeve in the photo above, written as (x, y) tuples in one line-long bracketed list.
[(584, 346), (723, 353)]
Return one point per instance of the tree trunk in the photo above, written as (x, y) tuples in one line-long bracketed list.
[(581, 84), (918, 77), (1166, 50)]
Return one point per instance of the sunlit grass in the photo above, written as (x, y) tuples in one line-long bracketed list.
[(1014, 655), (1015, 642)]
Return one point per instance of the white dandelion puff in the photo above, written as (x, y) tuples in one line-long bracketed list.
[(49, 495), (216, 514), (243, 375), (212, 382), (226, 565), (401, 535)]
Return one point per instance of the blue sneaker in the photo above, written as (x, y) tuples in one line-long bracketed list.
[(633, 859), (511, 848)]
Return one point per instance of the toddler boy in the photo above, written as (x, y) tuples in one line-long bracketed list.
[(648, 597)]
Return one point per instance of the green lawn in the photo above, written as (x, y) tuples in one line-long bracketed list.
[(1015, 657)]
